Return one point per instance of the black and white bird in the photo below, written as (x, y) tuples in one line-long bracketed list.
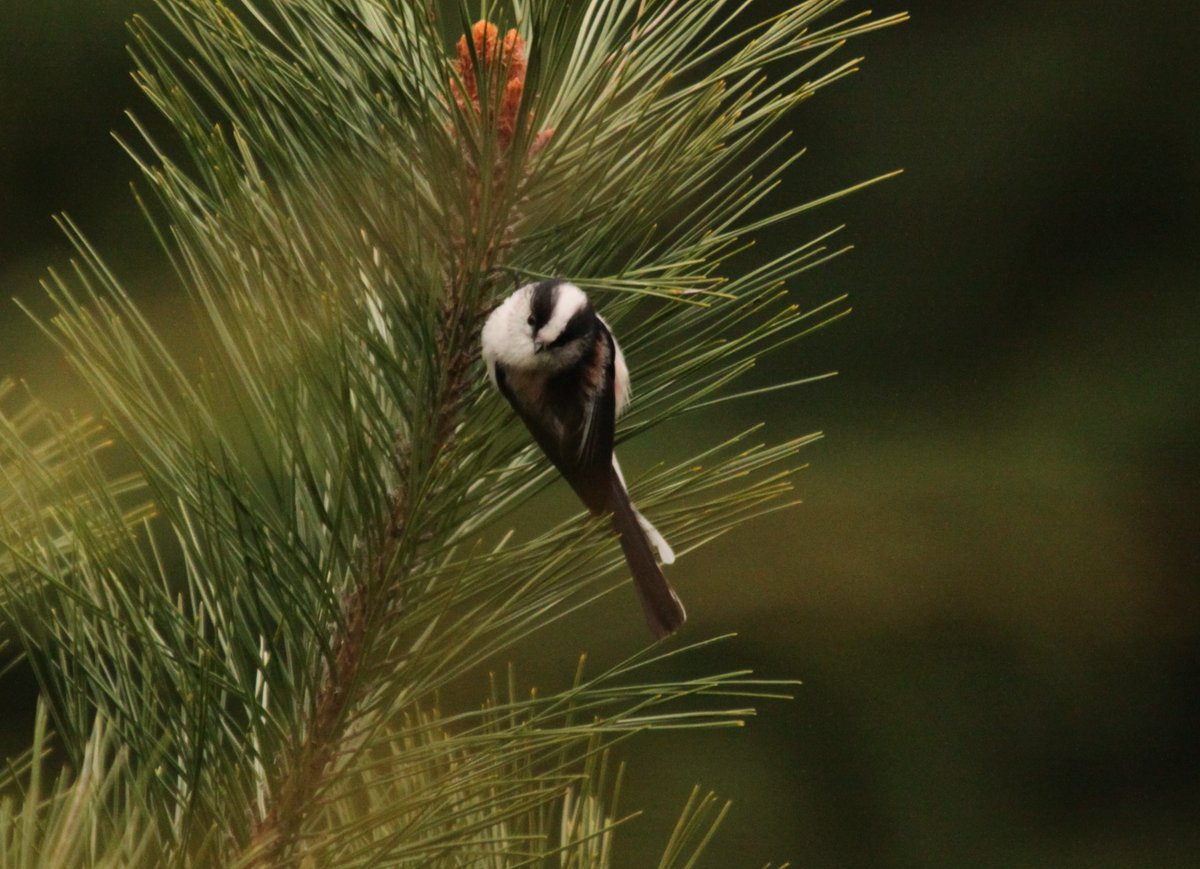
[(556, 361)]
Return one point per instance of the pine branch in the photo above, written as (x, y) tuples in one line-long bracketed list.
[(344, 681), (329, 545)]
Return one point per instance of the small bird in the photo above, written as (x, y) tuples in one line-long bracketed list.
[(556, 361)]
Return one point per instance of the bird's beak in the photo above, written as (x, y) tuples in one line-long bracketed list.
[(539, 346)]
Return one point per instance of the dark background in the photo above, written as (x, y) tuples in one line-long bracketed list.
[(990, 591)]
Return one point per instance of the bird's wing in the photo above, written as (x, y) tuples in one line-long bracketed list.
[(600, 414), (622, 388)]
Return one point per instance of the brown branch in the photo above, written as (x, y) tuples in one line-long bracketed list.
[(278, 829), (344, 682)]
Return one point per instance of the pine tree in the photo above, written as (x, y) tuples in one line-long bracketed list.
[(241, 642)]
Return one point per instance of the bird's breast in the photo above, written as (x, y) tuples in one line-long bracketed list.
[(539, 401)]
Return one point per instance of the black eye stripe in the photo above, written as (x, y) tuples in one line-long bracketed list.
[(578, 326), (541, 302)]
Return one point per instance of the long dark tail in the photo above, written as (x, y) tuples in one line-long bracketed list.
[(664, 612)]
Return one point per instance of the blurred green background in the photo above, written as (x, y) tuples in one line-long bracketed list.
[(990, 591)]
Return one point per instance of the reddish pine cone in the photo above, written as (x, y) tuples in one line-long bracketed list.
[(510, 56)]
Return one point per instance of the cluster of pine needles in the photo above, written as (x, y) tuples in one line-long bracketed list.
[(241, 640)]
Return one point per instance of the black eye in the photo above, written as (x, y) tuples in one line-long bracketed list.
[(530, 321)]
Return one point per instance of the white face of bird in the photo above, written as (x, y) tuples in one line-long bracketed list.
[(541, 327)]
